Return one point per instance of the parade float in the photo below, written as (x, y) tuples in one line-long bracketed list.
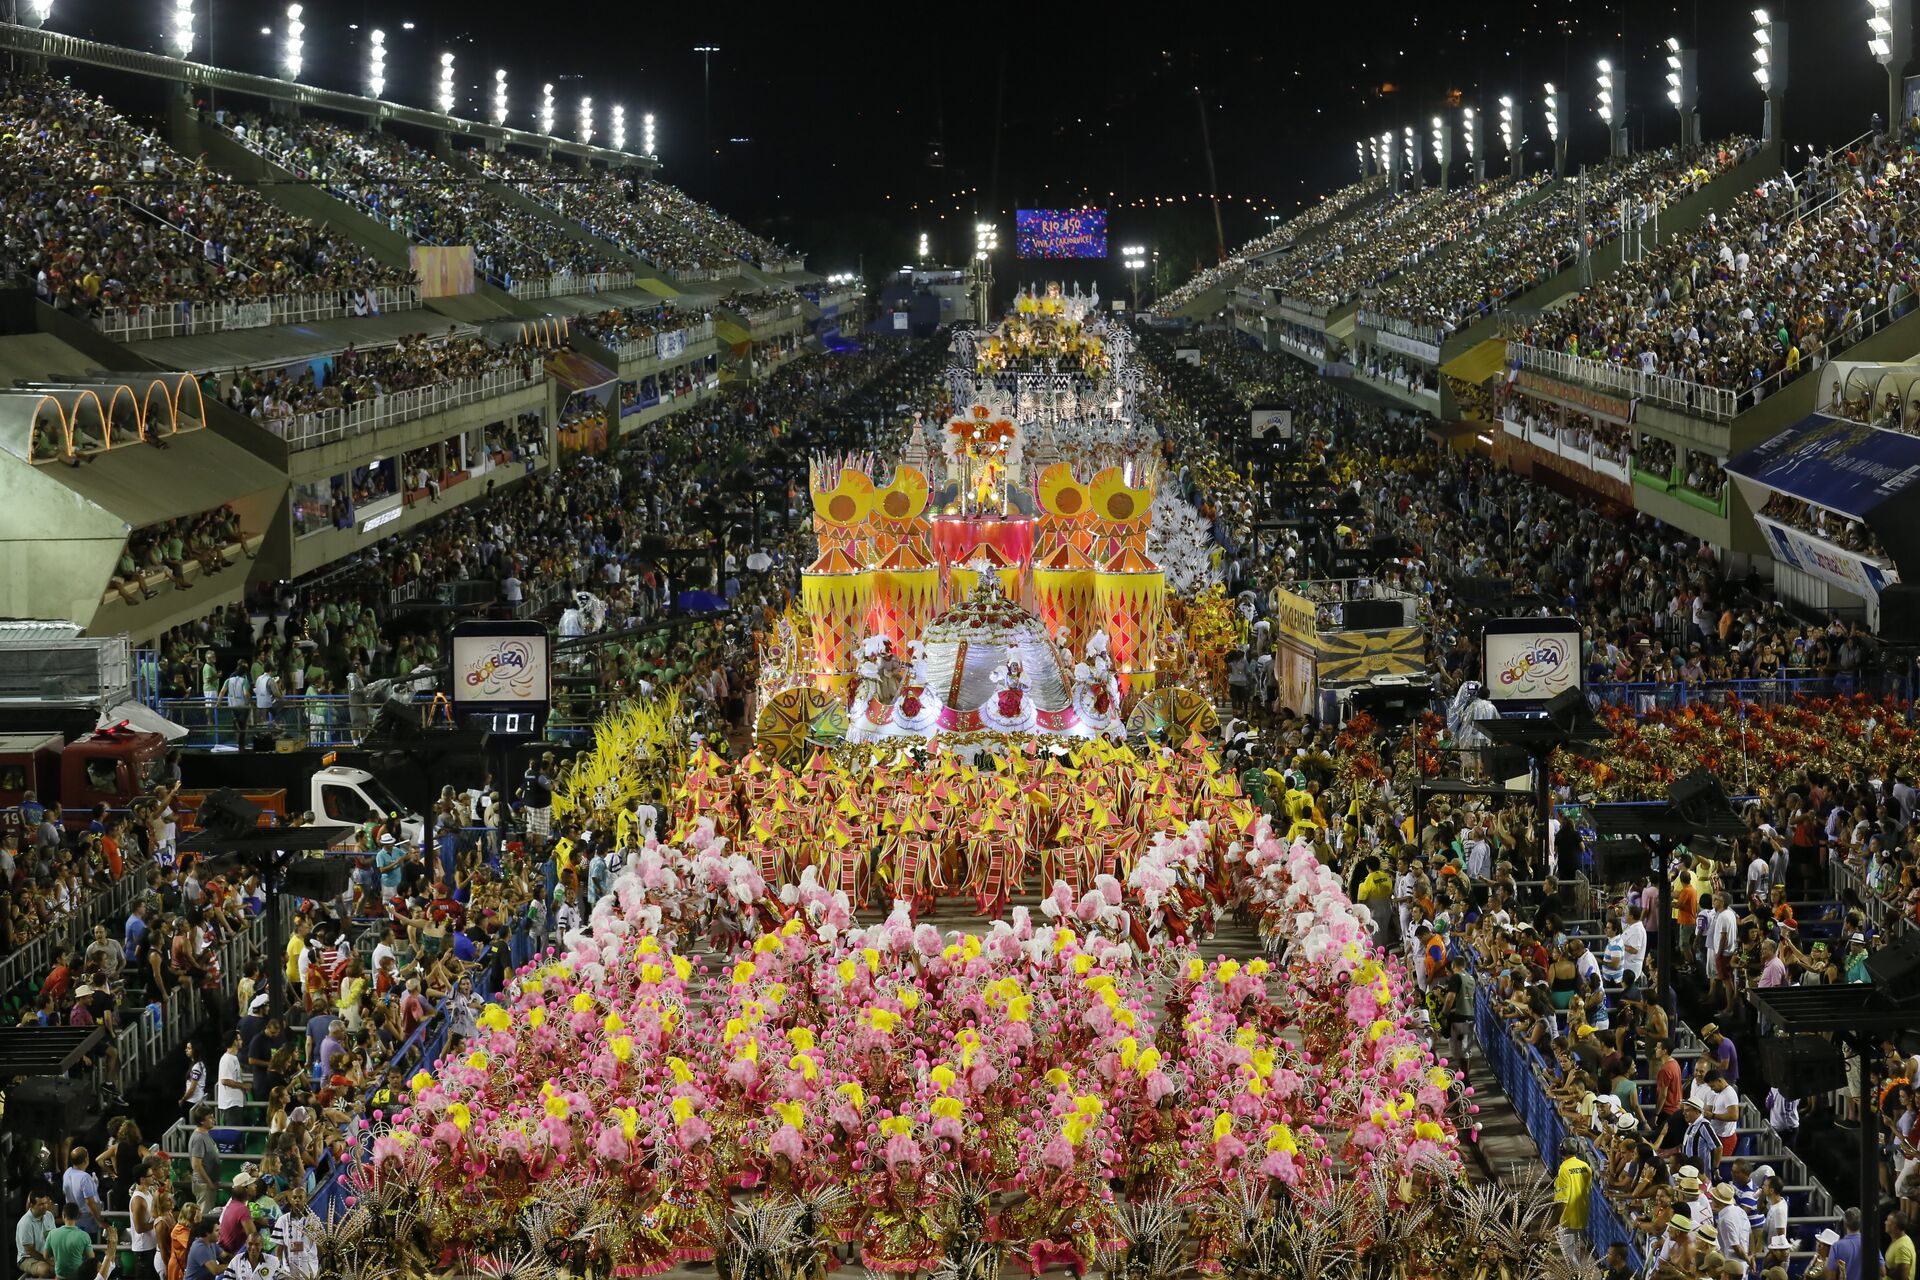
[(995, 579), (1041, 1096)]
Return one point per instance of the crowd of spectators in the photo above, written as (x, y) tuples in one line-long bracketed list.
[(1785, 277), (1574, 978), (617, 326), (1318, 214), (99, 212), (276, 397), (673, 510), (163, 551), (1833, 526), (422, 196), (751, 300), (1430, 224), (659, 223), (1501, 257)]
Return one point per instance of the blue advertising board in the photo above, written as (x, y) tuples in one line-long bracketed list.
[(1843, 466)]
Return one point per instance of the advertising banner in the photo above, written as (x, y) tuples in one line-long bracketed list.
[(669, 345), (246, 315), (1275, 423), (1864, 578), (445, 271), (1843, 466)]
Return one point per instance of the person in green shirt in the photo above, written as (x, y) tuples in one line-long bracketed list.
[(70, 1247)]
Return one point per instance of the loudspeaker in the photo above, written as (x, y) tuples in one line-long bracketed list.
[(1373, 615), (50, 1107), (1895, 968), (1699, 788), (1618, 860), (321, 878), (396, 720), (227, 813), (1900, 613), (1803, 1065)]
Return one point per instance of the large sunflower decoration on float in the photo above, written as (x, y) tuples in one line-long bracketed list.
[(848, 503), (905, 496), (1115, 500), (1061, 494)]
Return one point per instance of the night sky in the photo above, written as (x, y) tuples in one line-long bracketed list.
[(847, 131)]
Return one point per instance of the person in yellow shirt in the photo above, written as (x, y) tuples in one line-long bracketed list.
[(296, 952), (1571, 1185)]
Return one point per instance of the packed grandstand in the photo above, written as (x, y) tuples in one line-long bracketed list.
[(563, 742)]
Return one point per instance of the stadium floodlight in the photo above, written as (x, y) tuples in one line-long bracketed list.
[(445, 97), (923, 246), (1770, 69), (1673, 70), (586, 119), (1438, 154), (290, 58), (376, 63), (986, 239), (38, 11), (500, 96), (1605, 95), (182, 32), (1553, 113), (1506, 123), (1890, 40), (619, 132), (646, 134), (1361, 149), (546, 109), (1466, 129)]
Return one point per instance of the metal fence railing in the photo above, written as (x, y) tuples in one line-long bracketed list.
[(1523, 1076), (1694, 398), (323, 426), (566, 284), (320, 720), (1884, 913), (153, 1035), (26, 964), (1642, 697), (172, 319), (660, 346)]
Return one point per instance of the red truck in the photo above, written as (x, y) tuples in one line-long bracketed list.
[(112, 766)]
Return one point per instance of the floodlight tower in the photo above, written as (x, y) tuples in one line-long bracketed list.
[(34, 13), (1890, 41), (446, 96), (291, 48), (1361, 149), (1390, 163), (1443, 147), (1410, 157), (1770, 71), (1516, 158), (1556, 137), (377, 63), (1609, 108), (986, 238), (500, 97), (1683, 90), (1469, 133)]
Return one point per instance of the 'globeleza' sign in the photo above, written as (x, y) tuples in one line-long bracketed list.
[(1531, 659), (500, 665)]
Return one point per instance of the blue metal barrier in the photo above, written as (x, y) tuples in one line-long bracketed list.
[(1641, 697), (1522, 1076)]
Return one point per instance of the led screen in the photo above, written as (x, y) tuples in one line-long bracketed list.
[(1060, 233)]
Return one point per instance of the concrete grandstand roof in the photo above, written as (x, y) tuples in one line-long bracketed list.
[(283, 344)]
